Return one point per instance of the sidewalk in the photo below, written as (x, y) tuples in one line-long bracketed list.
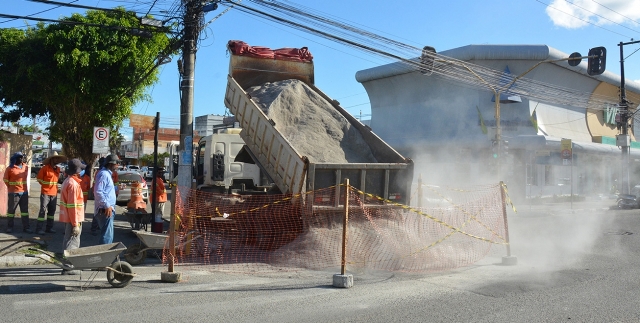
[(10, 244), (590, 204)]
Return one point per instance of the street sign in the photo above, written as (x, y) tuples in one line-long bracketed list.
[(142, 121), (100, 140)]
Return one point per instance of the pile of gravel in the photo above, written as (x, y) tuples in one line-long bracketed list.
[(310, 123)]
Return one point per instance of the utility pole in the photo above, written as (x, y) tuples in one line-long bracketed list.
[(192, 18), (623, 140), (139, 144)]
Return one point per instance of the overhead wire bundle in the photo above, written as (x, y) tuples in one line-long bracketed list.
[(415, 58)]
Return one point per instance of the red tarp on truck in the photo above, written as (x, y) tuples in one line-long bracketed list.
[(238, 47)]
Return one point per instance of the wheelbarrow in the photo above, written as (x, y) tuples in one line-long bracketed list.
[(119, 273), (137, 253), (138, 220)]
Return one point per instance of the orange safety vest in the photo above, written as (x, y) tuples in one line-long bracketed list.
[(71, 201), (16, 178), (85, 185), (48, 179), (160, 190)]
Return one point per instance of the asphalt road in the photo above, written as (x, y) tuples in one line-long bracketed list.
[(574, 265)]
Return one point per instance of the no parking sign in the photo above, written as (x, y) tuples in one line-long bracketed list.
[(100, 140)]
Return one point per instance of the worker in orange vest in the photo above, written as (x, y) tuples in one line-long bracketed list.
[(48, 178), (161, 193), (72, 207), (16, 177)]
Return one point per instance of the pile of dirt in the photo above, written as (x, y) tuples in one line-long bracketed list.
[(310, 123)]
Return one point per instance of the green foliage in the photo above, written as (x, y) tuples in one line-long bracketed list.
[(81, 75)]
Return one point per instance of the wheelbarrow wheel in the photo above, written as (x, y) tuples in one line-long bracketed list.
[(135, 255), (119, 280)]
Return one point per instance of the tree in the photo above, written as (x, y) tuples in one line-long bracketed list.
[(88, 71)]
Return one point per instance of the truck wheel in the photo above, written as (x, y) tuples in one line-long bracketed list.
[(119, 280), (135, 255)]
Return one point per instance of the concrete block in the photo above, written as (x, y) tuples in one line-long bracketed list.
[(168, 277), (343, 281), (509, 260)]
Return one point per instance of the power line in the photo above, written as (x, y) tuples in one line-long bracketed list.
[(603, 17), (587, 21), (600, 4), (444, 67)]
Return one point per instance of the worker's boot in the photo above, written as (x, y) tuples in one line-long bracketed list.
[(25, 224), (10, 224), (50, 224), (39, 225)]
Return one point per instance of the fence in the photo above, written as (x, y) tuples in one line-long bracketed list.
[(258, 233)]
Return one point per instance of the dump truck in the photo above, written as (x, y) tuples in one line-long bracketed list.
[(282, 169), (224, 166)]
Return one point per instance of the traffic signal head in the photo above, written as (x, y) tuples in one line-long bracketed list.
[(597, 60), (427, 59), (505, 147)]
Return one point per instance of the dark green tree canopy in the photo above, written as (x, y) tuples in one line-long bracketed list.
[(87, 72)]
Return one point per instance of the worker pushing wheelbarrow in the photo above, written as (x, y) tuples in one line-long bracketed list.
[(119, 273)]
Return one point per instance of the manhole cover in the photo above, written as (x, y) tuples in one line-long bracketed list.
[(621, 233)]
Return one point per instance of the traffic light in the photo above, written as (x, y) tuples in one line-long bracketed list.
[(494, 148), (597, 60), (427, 59), (505, 147)]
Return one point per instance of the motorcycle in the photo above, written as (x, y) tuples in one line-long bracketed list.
[(628, 201)]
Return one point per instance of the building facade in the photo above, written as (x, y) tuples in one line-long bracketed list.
[(448, 127)]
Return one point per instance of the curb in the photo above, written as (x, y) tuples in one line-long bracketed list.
[(17, 261)]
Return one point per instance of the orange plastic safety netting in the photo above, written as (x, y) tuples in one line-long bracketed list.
[(252, 233)]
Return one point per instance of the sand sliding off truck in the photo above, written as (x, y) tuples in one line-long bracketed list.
[(293, 138)]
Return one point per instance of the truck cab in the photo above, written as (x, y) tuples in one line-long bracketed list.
[(217, 169)]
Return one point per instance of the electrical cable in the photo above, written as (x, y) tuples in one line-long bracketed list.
[(600, 4), (446, 67), (587, 21), (601, 16)]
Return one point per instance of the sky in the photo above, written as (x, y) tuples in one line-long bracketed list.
[(568, 26)]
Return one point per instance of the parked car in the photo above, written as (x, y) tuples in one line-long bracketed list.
[(148, 174), (134, 168), (629, 201), (126, 178)]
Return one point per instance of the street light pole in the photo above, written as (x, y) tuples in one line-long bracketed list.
[(498, 91), (624, 118)]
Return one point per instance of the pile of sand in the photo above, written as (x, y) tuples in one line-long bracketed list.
[(310, 123)]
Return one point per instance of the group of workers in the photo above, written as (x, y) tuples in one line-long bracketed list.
[(74, 194)]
